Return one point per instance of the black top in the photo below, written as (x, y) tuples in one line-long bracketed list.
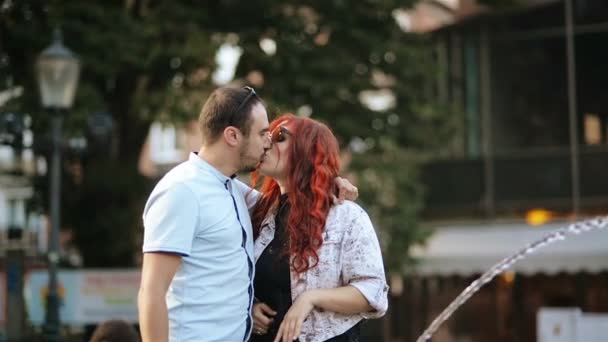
[(272, 282)]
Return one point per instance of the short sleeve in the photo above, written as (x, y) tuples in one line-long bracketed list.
[(170, 220)]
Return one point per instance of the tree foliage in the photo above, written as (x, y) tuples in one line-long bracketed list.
[(146, 60)]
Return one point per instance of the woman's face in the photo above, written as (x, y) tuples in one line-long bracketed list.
[(274, 163)]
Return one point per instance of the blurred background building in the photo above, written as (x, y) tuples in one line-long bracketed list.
[(531, 157)]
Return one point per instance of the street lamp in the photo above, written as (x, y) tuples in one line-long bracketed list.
[(58, 70)]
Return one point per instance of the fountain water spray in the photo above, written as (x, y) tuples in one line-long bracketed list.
[(560, 234)]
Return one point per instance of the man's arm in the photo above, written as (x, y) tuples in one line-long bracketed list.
[(157, 272)]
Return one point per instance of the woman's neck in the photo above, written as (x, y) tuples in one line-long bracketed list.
[(283, 187)]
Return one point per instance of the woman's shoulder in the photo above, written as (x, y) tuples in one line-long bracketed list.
[(347, 207), (345, 213)]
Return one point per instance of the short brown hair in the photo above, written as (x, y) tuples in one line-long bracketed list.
[(115, 331), (222, 110)]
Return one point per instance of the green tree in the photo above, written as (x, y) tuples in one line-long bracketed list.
[(150, 60), (140, 60)]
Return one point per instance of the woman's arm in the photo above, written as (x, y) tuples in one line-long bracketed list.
[(251, 195), (345, 299), (362, 265)]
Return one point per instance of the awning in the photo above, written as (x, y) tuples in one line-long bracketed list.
[(468, 250)]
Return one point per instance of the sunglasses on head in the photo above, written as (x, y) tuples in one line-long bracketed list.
[(251, 93), (279, 134)]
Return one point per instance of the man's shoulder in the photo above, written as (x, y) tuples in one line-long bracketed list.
[(196, 179), (181, 172)]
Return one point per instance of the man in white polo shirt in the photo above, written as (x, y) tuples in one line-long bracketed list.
[(198, 244)]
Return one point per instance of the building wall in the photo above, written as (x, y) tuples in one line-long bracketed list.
[(504, 76)]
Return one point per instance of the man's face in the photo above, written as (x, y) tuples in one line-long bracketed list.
[(254, 146)]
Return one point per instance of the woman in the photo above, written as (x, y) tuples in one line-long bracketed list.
[(319, 269)]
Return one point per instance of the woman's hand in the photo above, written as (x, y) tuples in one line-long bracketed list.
[(292, 322), (262, 317)]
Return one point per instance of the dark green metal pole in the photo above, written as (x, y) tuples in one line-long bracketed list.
[(52, 322)]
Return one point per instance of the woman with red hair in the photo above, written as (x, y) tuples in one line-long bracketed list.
[(319, 269)]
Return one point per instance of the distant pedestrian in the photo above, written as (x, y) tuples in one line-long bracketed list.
[(115, 331)]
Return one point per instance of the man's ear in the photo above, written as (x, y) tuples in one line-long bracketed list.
[(232, 136)]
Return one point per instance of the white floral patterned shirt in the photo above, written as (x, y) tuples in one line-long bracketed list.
[(350, 255)]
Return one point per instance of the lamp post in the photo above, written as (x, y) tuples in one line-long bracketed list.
[(58, 70)]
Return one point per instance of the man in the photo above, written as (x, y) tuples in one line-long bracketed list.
[(197, 273), (198, 241)]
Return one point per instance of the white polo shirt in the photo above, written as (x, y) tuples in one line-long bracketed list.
[(201, 214)]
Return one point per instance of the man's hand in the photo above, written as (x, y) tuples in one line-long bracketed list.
[(262, 318), (346, 190)]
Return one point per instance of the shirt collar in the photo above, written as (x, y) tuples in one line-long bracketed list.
[(204, 165)]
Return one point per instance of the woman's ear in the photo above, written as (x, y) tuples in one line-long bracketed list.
[(231, 136)]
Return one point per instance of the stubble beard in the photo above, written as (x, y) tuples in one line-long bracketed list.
[(248, 163)]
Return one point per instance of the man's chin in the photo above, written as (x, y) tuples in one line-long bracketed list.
[(248, 169), (251, 164)]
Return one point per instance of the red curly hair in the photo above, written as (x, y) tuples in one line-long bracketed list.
[(313, 164)]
